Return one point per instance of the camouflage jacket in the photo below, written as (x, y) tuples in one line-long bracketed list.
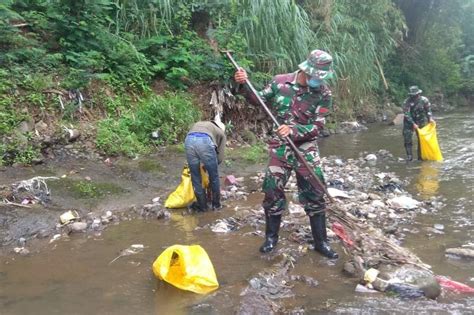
[(299, 107), (417, 111)]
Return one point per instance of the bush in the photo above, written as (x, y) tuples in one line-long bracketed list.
[(169, 115)]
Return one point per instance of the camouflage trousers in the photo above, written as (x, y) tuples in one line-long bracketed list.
[(282, 162), (408, 131)]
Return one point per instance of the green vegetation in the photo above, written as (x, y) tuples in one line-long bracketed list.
[(85, 189), (256, 153), (64, 61), (169, 115)]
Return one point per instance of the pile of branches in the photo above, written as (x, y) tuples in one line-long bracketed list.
[(367, 245)]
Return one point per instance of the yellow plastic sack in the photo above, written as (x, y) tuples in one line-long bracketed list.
[(429, 143), (187, 268), (184, 193)]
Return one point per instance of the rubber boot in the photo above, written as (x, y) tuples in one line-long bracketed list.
[(272, 227), (318, 229), (200, 205), (216, 201), (408, 148)]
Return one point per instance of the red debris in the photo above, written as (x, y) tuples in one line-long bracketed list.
[(341, 233), (230, 180), (452, 285)]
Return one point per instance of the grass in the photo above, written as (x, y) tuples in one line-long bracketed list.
[(256, 153)]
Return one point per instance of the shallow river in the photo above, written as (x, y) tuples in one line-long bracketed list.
[(75, 276)]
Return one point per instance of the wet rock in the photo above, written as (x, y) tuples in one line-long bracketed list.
[(377, 204), (78, 226), (371, 157), (96, 224), (309, 281), (107, 217), (21, 251), (461, 252), (398, 120), (373, 196), (410, 279), (163, 214), (350, 127), (350, 269)]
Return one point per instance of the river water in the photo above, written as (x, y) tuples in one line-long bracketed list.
[(74, 275)]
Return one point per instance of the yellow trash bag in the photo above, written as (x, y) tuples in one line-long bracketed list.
[(187, 268), (430, 150), (184, 193)]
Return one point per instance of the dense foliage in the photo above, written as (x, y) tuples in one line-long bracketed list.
[(61, 58)]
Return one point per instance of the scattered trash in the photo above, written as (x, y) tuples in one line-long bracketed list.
[(439, 227), (230, 180), (68, 216), (55, 238), (225, 225), (338, 229), (21, 251), (405, 291), (336, 193), (296, 209), (452, 285), (403, 202), (363, 289), (155, 135), (371, 157), (370, 275), (220, 227), (132, 250), (187, 268)]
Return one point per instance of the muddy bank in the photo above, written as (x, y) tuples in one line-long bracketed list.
[(102, 191)]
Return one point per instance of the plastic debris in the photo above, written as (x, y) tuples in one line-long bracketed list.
[(341, 233), (336, 193), (69, 216), (363, 289), (132, 250), (187, 268), (370, 275)]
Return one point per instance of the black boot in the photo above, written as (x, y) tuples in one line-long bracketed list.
[(272, 226), (318, 229), (200, 205), (216, 201), (408, 148)]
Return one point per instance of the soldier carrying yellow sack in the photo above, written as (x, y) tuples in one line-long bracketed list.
[(417, 111)]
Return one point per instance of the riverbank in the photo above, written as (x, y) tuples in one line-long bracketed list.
[(242, 269)]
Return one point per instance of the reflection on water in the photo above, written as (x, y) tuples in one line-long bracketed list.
[(427, 182)]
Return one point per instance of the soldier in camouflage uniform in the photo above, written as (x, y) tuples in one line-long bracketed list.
[(417, 111), (298, 100)]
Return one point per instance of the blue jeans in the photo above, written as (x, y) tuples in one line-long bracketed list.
[(201, 149)]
